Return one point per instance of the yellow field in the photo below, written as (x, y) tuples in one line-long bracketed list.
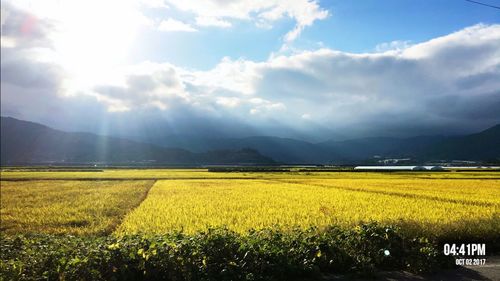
[(459, 204), (75, 207), (241, 205), (463, 191), (118, 174)]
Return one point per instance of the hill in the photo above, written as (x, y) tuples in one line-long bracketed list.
[(484, 145), (24, 142), (28, 142)]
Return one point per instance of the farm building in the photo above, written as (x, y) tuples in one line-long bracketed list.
[(385, 168), (399, 168), (419, 168), (437, 168)]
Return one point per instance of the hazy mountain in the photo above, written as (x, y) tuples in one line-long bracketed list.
[(481, 146), (281, 149), (484, 145), (360, 149), (284, 150), (28, 142)]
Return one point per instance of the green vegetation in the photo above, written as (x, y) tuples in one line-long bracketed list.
[(217, 254)]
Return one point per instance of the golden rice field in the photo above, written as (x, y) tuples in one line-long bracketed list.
[(241, 205), (463, 191), (73, 207), (462, 204)]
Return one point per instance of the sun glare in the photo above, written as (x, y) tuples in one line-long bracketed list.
[(91, 39)]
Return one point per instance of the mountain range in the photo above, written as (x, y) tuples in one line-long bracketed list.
[(28, 142), (482, 146), (25, 142)]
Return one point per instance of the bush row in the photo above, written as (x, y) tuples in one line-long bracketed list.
[(217, 254)]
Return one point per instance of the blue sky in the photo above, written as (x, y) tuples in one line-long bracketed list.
[(357, 26), (352, 26), (308, 69)]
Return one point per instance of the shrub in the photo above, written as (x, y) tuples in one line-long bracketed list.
[(217, 254)]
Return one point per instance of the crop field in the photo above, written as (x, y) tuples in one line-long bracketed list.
[(461, 191), (72, 207), (243, 201), (191, 200), (193, 224), (242, 205)]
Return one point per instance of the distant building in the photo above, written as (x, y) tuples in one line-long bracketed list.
[(419, 168), (385, 168), (437, 168), (463, 162), (394, 161)]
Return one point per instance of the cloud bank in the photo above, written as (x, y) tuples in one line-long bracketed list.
[(445, 85)]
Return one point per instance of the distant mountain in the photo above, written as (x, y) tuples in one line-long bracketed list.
[(281, 149), (285, 150), (481, 146), (484, 145), (25, 142), (361, 149)]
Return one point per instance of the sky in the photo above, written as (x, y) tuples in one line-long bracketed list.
[(313, 70)]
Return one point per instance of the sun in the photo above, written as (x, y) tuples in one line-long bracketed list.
[(90, 39)]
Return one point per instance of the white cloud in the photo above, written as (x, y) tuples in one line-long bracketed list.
[(448, 82), (236, 76), (397, 45), (266, 107), (263, 13), (212, 21), (147, 85), (294, 33), (175, 25), (154, 3), (159, 104), (112, 104), (228, 101)]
